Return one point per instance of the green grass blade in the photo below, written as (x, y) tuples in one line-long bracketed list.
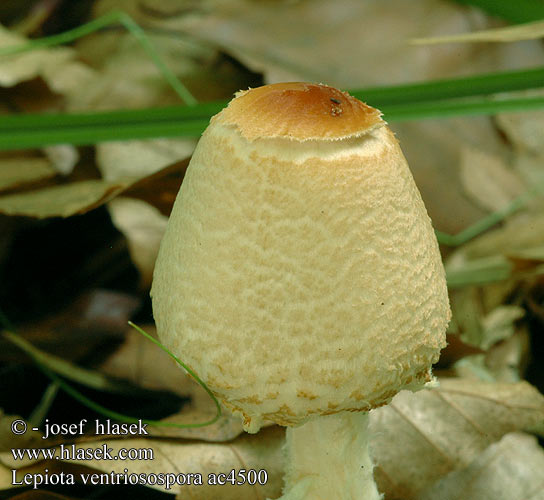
[(486, 84), (479, 272), (88, 378), (184, 366), (19, 132), (86, 135), (460, 107), (487, 222), (32, 121), (404, 102), (520, 11)]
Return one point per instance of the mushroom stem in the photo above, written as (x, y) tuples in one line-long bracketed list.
[(328, 457)]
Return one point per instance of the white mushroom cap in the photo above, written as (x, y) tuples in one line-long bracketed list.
[(299, 274)]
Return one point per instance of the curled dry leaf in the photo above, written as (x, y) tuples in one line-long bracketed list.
[(421, 437), (508, 470)]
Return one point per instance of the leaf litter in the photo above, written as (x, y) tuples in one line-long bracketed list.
[(465, 164)]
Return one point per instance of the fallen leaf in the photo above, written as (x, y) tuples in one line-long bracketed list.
[(499, 324), (57, 66), (127, 77), (314, 51), (144, 226), (420, 437), (63, 157), (63, 200), (15, 172), (118, 160), (474, 367), (508, 360), (503, 362), (508, 470), (143, 363), (524, 130), (488, 180)]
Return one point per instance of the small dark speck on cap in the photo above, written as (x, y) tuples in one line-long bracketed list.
[(336, 101)]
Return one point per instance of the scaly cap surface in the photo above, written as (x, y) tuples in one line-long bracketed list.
[(299, 274)]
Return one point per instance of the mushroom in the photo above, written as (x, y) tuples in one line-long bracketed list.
[(300, 277)]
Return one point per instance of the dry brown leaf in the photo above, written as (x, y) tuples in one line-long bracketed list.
[(57, 66), (15, 172), (63, 200), (507, 361), (117, 160), (128, 78), (63, 157), (488, 180), (143, 225), (325, 46), (498, 324), (419, 438), (508, 470)]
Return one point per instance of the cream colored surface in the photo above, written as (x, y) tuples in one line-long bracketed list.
[(345, 474), (301, 278)]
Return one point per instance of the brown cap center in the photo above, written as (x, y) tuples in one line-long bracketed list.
[(300, 111)]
